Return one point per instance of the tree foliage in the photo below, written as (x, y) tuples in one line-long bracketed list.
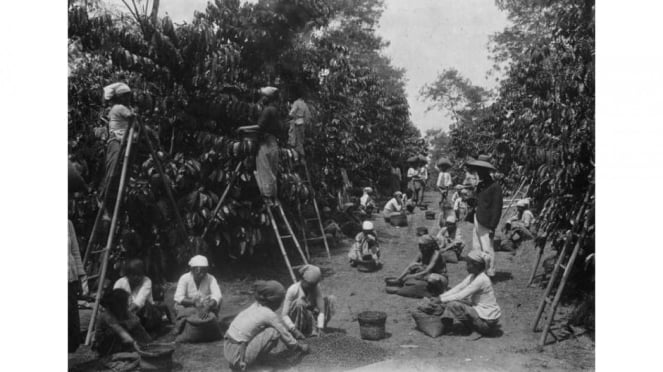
[(196, 82)]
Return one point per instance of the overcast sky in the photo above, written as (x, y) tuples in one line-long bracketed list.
[(426, 36)]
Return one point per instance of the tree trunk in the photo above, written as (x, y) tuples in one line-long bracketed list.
[(155, 11)]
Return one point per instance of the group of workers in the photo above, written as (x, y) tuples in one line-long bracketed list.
[(129, 312)]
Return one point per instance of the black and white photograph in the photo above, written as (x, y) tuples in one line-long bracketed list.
[(331, 185)]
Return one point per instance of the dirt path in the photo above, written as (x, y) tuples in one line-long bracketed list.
[(406, 348)]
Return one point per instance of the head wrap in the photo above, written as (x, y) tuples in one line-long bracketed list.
[(368, 190), (522, 203), (398, 194), (451, 219), (459, 187), (310, 273), (479, 257), (115, 89), (426, 240), (269, 292), (268, 91), (367, 225), (198, 261)]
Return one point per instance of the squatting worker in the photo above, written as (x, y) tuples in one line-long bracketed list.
[(258, 331), (306, 311), (365, 247), (300, 117), (120, 117), (366, 202), (197, 293), (267, 160), (520, 227), (427, 274), (472, 301), (488, 211), (394, 206)]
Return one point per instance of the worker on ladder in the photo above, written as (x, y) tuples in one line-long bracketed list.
[(267, 160), (299, 116)]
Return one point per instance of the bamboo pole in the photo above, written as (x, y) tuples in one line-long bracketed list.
[(111, 236), (233, 178), (157, 162)]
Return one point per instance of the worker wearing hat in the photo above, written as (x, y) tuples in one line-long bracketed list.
[(268, 158), (365, 247), (197, 293), (306, 311), (488, 210), (472, 302), (427, 274)]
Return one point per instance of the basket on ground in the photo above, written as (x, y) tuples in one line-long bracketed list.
[(372, 325), (430, 325), (398, 220), (156, 357), (430, 215)]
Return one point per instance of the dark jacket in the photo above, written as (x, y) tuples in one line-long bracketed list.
[(489, 204)]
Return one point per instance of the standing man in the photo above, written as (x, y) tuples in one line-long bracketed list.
[(420, 182), (488, 210), (299, 116)]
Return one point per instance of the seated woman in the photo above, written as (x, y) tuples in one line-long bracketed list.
[(365, 247), (519, 228), (394, 206), (366, 203), (197, 293), (472, 302), (427, 274), (141, 302), (257, 331), (118, 329), (306, 311)]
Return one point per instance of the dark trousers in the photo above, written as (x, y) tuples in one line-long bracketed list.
[(74, 329), (465, 313)]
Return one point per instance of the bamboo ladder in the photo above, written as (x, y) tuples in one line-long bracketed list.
[(567, 266)]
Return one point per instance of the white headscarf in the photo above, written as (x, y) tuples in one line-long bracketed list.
[(198, 261), (115, 89)]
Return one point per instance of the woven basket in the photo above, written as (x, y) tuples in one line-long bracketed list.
[(398, 220), (392, 281), (430, 215), (430, 325), (372, 325), (200, 330), (156, 357)]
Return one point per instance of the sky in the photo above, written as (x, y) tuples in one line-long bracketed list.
[(425, 36)]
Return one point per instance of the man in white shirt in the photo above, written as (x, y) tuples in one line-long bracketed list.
[(197, 293), (443, 182)]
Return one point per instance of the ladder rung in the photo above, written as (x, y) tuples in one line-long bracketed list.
[(92, 276), (286, 236), (562, 266), (310, 219), (315, 238), (99, 251), (548, 300)]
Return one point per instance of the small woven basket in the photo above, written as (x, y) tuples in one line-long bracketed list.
[(430, 215), (156, 357), (398, 220), (372, 325)]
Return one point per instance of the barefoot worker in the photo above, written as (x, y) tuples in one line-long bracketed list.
[(306, 311), (118, 329), (488, 211), (394, 206), (472, 301), (258, 331), (197, 293), (427, 274)]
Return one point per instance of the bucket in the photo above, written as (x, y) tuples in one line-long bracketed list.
[(156, 357), (399, 220), (430, 215), (423, 207), (372, 325), (430, 325)]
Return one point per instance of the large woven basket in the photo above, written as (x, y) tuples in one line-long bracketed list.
[(398, 220), (430, 215), (156, 357), (372, 325), (430, 325), (200, 330)]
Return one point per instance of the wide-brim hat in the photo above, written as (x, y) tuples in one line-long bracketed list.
[(480, 164)]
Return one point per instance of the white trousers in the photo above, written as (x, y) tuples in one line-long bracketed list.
[(481, 241)]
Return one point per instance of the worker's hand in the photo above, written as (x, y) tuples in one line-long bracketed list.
[(304, 348), (242, 366), (297, 334)]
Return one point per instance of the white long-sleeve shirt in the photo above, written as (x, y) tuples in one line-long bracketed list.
[(479, 290), (314, 297), (139, 295), (444, 179), (253, 320), (393, 206), (186, 288)]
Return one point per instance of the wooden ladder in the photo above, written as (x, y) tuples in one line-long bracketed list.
[(317, 219), (567, 265), (290, 234)]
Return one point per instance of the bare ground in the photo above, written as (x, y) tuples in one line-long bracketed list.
[(405, 348)]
